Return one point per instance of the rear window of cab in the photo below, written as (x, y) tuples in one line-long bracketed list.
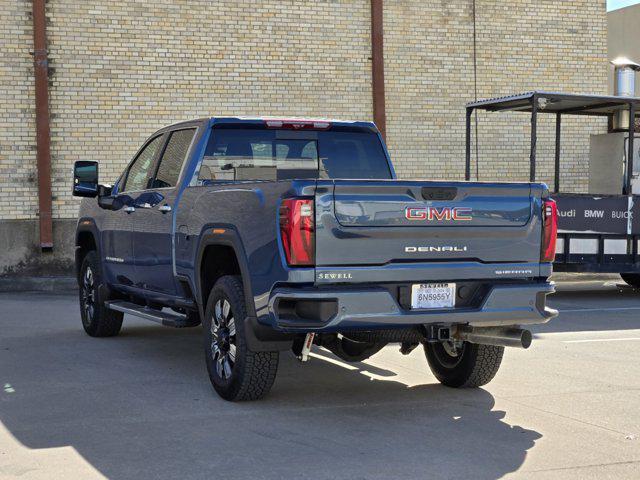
[(240, 152)]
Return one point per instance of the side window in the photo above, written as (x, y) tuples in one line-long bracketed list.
[(140, 170), (173, 158)]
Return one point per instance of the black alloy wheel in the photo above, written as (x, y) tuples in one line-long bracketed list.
[(223, 338), (97, 319), (88, 296)]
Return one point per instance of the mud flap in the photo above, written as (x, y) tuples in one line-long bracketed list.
[(261, 338)]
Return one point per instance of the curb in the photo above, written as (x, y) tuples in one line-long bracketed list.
[(38, 284)]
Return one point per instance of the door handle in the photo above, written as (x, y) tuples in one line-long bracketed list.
[(165, 208), (129, 209)]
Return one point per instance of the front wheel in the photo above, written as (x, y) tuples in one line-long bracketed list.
[(236, 372), (463, 364), (97, 319)]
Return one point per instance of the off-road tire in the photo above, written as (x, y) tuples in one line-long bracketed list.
[(252, 373), (475, 366), (633, 279), (97, 320)]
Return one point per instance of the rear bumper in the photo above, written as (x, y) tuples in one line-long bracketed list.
[(372, 308)]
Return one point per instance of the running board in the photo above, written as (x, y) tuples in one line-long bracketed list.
[(164, 318)]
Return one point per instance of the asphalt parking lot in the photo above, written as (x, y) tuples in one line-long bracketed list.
[(140, 405)]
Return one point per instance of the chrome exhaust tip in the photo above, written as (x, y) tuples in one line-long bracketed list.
[(497, 336)]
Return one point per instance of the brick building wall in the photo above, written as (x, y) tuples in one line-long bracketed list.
[(522, 45), (121, 69), (18, 185)]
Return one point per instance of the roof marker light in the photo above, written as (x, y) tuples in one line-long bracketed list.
[(298, 124)]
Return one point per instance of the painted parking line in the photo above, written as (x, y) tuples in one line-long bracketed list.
[(589, 340), (591, 336)]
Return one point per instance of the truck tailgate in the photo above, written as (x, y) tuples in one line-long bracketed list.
[(361, 222)]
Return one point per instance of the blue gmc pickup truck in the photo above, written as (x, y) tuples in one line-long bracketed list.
[(279, 234)]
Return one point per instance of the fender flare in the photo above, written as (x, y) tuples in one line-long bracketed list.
[(86, 224), (229, 238), (259, 337)]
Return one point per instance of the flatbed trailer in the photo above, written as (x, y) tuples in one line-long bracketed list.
[(597, 232)]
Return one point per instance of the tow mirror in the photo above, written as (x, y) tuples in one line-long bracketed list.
[(85, 179)]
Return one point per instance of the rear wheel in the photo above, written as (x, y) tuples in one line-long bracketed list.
[(632, 279), (236, 372), (97, 320), (463, 364)]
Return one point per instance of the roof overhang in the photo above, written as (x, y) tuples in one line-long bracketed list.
[(562, 103)]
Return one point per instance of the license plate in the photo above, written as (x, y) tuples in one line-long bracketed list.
[(433, 295)]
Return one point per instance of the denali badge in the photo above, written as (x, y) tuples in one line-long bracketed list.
[(429, 214), (445, 248)]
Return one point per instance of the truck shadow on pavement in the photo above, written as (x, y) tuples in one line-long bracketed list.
[(140, 406)]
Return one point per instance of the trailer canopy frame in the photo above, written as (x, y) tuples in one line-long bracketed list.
[(558, 104)]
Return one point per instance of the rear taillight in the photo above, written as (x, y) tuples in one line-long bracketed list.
[(297, 229), (549, 230)]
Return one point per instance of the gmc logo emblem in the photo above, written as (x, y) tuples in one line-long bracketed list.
[(430, 214)]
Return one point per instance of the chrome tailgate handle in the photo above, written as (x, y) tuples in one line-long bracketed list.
[(439, 193), (165, 208)]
